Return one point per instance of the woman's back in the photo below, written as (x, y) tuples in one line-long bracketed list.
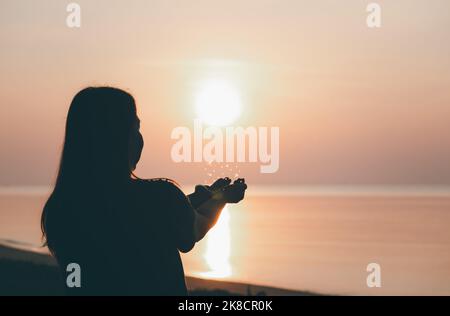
[(129, 244)]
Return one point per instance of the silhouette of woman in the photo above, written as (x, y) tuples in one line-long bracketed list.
[(124, 232)]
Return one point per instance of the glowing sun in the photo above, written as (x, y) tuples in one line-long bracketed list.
[(217, 102)]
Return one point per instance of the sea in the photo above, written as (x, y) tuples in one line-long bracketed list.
[(319, 239)]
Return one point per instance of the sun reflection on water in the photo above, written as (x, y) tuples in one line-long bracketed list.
[(218, 248)]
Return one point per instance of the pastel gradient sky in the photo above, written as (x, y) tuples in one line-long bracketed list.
[(354, 105)]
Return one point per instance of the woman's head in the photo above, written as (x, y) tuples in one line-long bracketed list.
[(102, 137), (102, 146)]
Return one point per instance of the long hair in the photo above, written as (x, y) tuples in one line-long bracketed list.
[(95, 160)]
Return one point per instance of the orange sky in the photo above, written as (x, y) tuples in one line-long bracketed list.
[(354, 105)]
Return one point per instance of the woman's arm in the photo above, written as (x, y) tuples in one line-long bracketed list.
[(209, 201), (206, 216), (207, 205)]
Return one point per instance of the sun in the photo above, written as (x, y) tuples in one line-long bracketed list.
[(217, 102)]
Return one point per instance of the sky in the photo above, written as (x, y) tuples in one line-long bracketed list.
[(354, 105)]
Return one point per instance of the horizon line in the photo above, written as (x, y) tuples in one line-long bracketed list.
[(285, 190)]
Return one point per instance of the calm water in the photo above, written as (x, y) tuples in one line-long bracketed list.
[(317, 242)]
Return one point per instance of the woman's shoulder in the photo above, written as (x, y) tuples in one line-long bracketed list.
[(158, 186)]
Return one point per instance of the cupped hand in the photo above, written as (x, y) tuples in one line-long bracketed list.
[(235, 192), (219, 184), (222, 190)]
